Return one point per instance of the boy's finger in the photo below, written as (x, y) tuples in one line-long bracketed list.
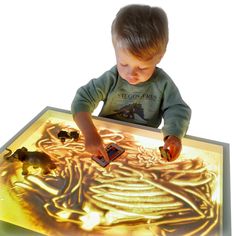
[(104, 154)]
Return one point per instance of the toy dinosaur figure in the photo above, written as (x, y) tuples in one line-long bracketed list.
[(35, 159)]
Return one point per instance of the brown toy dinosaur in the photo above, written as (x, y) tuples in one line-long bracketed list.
[(35, 159)]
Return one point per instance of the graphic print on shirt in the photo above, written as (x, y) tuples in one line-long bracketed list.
[(130, 111), (135, 107)]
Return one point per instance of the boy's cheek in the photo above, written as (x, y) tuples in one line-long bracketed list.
[(121, 72), (119, 69)]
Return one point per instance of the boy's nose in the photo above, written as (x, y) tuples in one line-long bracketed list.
[(132, 72)]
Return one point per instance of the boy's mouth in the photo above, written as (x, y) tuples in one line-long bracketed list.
[(132, 80)]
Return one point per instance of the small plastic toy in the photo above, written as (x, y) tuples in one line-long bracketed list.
[(113, 151), (165, 154), (63, 135), (35, 159)]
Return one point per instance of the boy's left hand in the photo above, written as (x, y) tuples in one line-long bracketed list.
[(174, 145)]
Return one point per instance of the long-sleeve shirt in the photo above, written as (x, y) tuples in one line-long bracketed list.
[(145, 103)]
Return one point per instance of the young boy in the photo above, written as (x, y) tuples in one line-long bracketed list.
[(135, 90)]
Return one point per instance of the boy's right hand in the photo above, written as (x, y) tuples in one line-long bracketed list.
[(94, 145), (93, 141)]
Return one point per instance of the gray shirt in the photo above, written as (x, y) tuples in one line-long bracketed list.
[(145, 103)]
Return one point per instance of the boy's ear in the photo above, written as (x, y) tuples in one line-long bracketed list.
[(159, 57)]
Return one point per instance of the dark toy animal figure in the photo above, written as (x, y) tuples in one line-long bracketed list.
[(63, 135), (35, 159)]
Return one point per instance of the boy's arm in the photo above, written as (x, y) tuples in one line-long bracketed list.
[(88, 96), (85, 101), (176, 114), (93, 141)]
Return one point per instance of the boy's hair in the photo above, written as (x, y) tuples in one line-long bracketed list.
[(142, 30)]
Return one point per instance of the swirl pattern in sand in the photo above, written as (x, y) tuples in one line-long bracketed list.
[(139, 191)]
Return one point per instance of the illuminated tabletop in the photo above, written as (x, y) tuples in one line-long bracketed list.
[(137, 194)]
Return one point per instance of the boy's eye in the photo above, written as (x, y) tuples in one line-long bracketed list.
[(124, 65)]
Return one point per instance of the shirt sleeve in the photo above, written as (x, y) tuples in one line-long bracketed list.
[(88, 96), (176, 113)]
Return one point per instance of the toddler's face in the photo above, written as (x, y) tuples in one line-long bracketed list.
[(132, 69)]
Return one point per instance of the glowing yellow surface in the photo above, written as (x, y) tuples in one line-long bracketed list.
[(138, 194)]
